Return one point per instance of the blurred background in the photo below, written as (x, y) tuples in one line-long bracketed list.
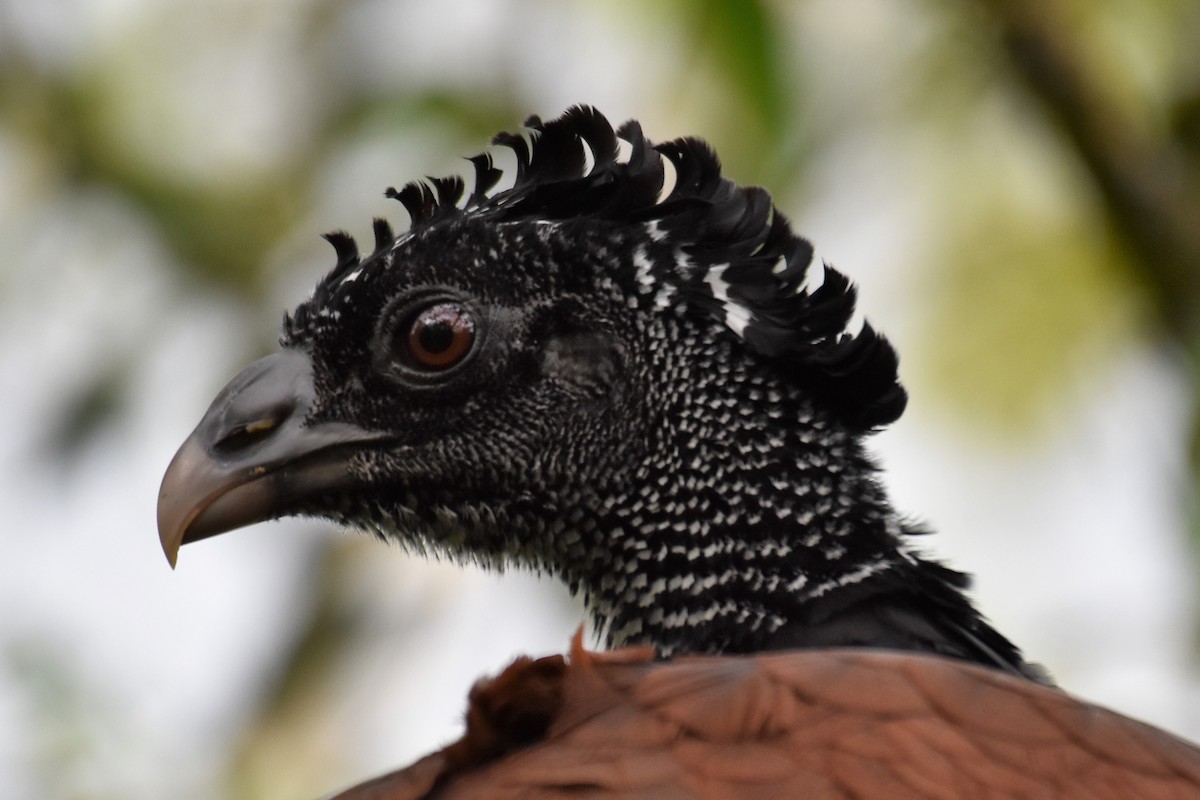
[(1015, 184)]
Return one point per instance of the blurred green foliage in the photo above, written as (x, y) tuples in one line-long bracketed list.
[(1031, 314)]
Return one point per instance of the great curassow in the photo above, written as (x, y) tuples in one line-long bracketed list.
[(628, 371)]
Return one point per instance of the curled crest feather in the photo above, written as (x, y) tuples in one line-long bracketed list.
[(721, 249)]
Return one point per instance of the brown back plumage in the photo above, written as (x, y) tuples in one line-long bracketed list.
[(819, 725)]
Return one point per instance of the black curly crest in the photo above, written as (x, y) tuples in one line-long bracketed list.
[(721, 249)]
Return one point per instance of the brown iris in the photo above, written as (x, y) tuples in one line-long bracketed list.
[(440, 336)]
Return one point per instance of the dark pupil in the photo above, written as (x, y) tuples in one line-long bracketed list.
[(436, 336)]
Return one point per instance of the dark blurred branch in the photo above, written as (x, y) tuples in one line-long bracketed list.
[(1149, 182), (1147, 176)]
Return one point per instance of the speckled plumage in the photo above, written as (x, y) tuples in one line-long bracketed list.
[(663, 405)]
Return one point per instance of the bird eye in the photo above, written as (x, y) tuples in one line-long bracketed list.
[(440, 336)]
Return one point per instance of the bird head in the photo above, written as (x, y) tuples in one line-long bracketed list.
[(625, 370)]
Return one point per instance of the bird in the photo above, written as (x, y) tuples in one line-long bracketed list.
[(629, 372)]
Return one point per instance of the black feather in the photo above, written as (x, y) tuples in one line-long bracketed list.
[(384, 237), (449, 191), (520, 148), (486, 177), (345, 247)]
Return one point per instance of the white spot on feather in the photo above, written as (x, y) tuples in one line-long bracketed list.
[(589, 158), (814, 275), (850, 578), (737, 316), (670, 179), (645, 277), (663, 298)]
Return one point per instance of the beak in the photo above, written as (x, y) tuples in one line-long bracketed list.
[(254, 456)]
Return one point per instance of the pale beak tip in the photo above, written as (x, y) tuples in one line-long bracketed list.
[(174, 513), (170, 537)]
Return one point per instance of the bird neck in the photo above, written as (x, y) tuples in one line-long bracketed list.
[(753, 521), (731, 581), (770, 573), (739, 531)]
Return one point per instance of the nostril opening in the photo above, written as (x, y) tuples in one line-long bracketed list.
[(247, 435)]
